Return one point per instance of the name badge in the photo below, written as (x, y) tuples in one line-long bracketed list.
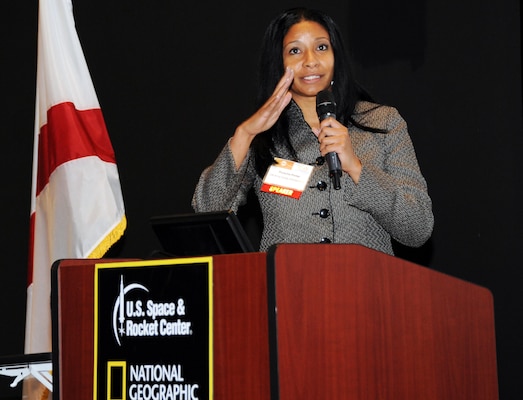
[(286, 178)]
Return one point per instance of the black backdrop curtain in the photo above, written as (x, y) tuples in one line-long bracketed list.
[(175, 78)]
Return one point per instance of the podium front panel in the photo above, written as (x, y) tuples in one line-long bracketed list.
[(352, 323), (240, 334)]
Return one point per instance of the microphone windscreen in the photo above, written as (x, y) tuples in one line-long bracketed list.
[(325, 105)]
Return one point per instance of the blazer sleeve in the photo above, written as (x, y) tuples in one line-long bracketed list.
[(221, 186), (391, 188)]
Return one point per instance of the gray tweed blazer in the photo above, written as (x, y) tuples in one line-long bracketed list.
[(390, 199)]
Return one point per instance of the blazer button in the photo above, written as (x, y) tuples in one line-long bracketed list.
[(321, 186), (324, 213), (325, 240)]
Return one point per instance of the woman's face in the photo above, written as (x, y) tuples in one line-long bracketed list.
[(307, 50)]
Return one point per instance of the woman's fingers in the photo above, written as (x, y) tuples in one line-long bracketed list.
[(269, 113)]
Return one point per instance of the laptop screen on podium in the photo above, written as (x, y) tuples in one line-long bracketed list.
[(201, 234)]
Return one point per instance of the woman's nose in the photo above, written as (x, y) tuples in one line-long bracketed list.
[(310, 59)]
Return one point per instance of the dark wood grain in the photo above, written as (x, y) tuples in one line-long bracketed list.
[(356, 324)]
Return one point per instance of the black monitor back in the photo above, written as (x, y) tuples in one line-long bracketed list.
[(201, 234)]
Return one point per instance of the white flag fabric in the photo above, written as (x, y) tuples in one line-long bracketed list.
[(77, 208)]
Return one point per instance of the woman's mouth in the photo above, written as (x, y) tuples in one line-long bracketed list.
[(311, 78)]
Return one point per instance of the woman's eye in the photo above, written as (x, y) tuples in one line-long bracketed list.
[(294, 51), (323, 47)]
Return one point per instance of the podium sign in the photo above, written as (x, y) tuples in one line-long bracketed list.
[(153, 330)]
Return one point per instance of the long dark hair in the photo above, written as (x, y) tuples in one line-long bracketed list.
[(347, 92)]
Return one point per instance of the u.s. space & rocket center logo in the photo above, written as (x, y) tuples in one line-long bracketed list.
[(153, 330), (138, 318)]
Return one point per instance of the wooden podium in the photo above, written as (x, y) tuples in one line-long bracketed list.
[(314, 322)]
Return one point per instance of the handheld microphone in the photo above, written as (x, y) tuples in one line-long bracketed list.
[(326, 107)]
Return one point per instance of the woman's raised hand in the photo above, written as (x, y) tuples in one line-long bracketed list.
[(263, 119), (268, 114)]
